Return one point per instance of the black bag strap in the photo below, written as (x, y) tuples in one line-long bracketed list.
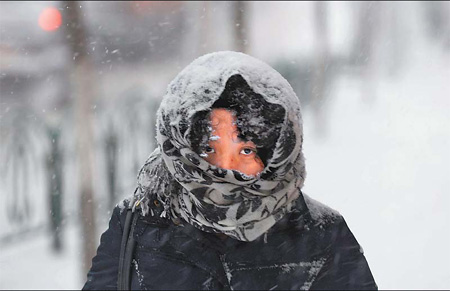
[(126, 249)]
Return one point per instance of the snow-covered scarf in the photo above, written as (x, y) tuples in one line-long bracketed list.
[(210, 198)]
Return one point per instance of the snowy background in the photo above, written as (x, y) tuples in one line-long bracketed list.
[(373, 78)]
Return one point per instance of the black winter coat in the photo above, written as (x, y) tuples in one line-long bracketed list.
[(310, 248)]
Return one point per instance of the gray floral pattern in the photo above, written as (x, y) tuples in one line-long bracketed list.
[(210, 198)]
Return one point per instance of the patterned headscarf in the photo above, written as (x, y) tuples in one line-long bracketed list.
[(211, 198)]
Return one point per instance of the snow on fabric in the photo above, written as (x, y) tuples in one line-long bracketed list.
[(210, 198)]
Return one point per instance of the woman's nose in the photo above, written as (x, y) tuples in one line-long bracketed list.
[(227, 161)]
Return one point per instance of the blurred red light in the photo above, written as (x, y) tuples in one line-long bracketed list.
[(50, 19)]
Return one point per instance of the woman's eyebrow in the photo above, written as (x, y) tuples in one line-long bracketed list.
[(247, 142)]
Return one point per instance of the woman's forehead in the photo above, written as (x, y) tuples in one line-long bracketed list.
[(222, 117), (223, 123)]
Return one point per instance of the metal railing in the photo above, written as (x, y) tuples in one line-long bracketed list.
[(38, 179)]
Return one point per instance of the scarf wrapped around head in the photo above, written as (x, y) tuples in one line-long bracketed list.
[(211, 198)]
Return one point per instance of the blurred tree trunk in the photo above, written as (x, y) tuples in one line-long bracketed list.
[(368, 26), (319, 80), (83, 93), (240, 26), (55, 178)]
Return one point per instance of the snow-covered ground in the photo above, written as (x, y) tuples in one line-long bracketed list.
[(31, 264)]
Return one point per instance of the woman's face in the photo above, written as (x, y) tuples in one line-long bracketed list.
[(226, 150)]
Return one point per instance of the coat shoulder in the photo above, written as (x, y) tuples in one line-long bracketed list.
[(124, 204), (321, 214)]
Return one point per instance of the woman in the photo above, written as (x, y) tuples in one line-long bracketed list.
[(219, 202)]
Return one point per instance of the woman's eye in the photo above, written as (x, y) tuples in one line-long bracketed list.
[(209, 150), (248, 151)]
